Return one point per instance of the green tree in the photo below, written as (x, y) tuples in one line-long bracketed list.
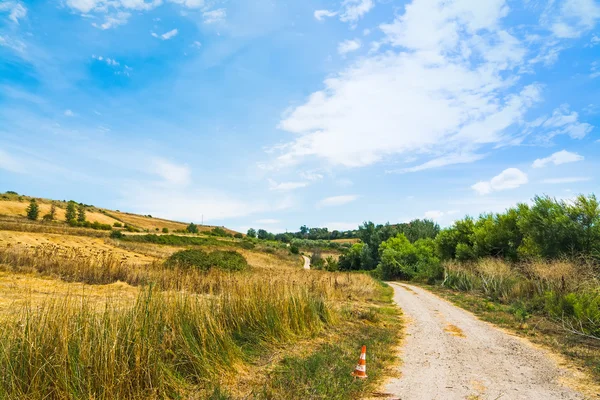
[(51, 216), (81, 213), (251, 233), (402, 259), (33, 210), (192, 228), (71, 212)]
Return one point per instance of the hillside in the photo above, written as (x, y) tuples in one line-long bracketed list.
[(14, 205)]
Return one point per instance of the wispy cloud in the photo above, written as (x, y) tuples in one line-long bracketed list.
[(382, 106), (69, 113), (167, 35), (337, 200), (510, 178), (285, 186), (450, 159), (353, 10), (15, 9), (214, 16), (558, 158), (572, 179), (348, 46), (172, 173), (320, 15)]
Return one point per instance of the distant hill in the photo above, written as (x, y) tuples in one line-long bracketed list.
[(15, 205)]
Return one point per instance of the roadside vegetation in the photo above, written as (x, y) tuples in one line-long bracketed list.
[(538, 262), (206, 315)]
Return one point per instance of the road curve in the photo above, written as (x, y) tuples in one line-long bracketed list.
[(306, 262), (449, 354)]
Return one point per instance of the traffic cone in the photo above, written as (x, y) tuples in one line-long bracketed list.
[(361, 369)]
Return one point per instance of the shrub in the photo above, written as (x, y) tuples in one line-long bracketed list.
[(118, 225), (114, 234), (228, 260), (71, 212), (294, 249), (192, 228), (130, 228), (251, 233), (165, 230), (217, 231), (316, 260), (33, 211), (192, 258), (81, 213), (196, 258), (238, 236)]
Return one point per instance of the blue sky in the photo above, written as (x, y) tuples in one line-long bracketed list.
[(274, 114)]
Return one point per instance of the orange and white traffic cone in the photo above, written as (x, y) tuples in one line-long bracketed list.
[(361, 369)]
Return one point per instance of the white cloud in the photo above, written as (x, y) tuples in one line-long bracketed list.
[(189, 3), (320, 15), (348, 46), (110, 61), (285, 186), (13, 44), (214, 16), (113, 20), (558, 158), (574, 18), (510, 178), (595, 41), (434, 214), (447, 86), (172, 33), (450, 159), (311, 175), (197, 44), (69, 113), (16, 10), (173, 174), (355, 9), (563, 122), (267, 221), (337, 200), (558, 181)]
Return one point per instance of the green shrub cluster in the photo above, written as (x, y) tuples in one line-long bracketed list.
[(548, 229), (196, 258), (92, 225)]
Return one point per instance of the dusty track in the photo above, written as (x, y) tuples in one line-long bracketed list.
[(450, 354)]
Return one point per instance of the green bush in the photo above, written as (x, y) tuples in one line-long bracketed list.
[(196, 258), (294, 249), (238, 236), (192, 258), (228, 260), (116, 234), (118, 225), (165, 230), (579, 310)]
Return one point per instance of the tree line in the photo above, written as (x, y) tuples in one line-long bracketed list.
[(75, 215), (547, 229)]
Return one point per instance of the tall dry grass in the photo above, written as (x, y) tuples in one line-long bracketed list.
[(186, 331), (566, 291)]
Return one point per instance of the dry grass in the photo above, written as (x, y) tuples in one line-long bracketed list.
[(17, 208), (33, 291), (197, 331), (87, 246)]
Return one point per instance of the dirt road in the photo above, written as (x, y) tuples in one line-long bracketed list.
[(449, 354), (306, 262)]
